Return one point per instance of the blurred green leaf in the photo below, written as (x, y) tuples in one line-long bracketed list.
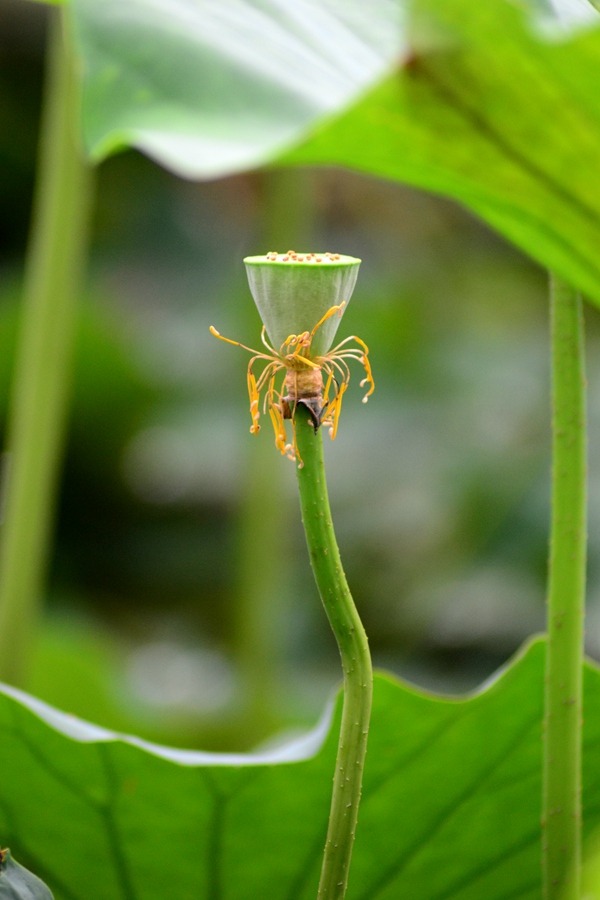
[(451, 801), (16, 883), (492, 108), (211, 88), (498, 112)]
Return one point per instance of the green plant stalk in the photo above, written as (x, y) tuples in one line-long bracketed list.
[(39, 398), (356, 659), (288, 209), (561, 816), (262, 550)]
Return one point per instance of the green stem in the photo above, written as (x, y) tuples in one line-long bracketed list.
[(39, 399), (561, 819), (288, 209), (356, 660), (262, 549)]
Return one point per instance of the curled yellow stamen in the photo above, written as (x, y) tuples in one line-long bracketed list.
[(330, 312), (294, 356), (254, 402)]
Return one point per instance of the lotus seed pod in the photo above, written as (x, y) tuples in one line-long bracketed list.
[(293, 291)]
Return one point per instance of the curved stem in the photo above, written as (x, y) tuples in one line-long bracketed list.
[(356, 660), (39, 398), (561, 820)]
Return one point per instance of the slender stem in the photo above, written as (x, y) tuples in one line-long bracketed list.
[(288, 209), (561, 820), (262, 549), (39, 399), (356, 660)]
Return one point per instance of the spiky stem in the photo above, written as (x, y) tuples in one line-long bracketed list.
[(561, 819), (356, 660), (39, 399)]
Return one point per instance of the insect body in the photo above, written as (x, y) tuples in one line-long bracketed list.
[(304, 381)]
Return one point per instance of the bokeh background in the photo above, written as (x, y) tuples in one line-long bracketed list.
[(180, 602)]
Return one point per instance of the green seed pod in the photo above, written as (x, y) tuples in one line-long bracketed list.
[(293, 291)]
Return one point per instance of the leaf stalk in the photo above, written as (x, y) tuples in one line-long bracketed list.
[(354, 651), (39, 394), (561, 816)]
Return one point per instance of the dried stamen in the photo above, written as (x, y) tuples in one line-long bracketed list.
[(303, 381)]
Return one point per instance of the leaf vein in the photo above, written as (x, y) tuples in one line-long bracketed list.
[(445, 814), (479, 123), (107, 812)]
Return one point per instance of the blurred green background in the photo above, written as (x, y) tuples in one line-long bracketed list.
[(180, 602)]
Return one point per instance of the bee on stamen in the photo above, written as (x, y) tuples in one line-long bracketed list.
[(303, 382)]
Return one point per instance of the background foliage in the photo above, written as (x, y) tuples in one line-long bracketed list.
[(173, 611), (439, 485)]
